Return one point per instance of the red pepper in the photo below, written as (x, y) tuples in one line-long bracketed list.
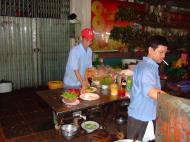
[(77, 91)]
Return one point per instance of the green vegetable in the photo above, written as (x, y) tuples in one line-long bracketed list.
[(90, 126), (90, 88), (107, 80), (69, 95)]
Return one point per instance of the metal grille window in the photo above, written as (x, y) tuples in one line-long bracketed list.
[(34, 8)]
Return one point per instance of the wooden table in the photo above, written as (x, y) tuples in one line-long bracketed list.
[(54, 100)]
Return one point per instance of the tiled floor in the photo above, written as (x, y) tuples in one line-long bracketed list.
[(23, 112)]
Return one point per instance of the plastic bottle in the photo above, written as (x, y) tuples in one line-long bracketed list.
[(129, 83), (114, 89)]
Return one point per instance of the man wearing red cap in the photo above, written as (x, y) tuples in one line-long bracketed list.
[(80, 58)]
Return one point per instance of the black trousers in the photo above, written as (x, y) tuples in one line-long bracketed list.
[(136, 128)]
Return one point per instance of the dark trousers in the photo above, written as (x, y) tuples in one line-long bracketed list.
[(136, 128)]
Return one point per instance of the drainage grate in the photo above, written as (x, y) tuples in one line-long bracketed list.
[(35, 8)]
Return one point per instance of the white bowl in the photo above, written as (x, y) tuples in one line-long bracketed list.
[(104, 87), (90, 126)]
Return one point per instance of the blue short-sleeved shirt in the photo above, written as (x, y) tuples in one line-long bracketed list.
[(79, 59), (146, 76)]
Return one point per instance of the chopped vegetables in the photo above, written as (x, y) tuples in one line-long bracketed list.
[(90, 126), (69, 95), (107, 80), (91, 89)]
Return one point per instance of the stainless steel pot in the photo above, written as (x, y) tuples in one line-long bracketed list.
[(68, 130)]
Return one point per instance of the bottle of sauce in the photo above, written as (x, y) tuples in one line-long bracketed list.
[(114, 89), (122, 87), (121, 91)]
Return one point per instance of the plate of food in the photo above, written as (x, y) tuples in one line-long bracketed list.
[(90, 126), (72, 103), (69, 97), (91, 89), (89, 96)]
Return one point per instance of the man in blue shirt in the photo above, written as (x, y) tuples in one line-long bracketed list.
[(145, 89), (80, 58)]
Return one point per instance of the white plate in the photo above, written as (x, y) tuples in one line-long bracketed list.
[(90, 126), (91, 89), (72, 104), (89, 96)]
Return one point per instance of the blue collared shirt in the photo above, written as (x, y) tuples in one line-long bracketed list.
[(146, 76), (79, 59)]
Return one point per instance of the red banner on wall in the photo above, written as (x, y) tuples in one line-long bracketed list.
[(103, 14), (103, 19)]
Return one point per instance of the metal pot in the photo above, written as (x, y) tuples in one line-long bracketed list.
[(68, 130), (121, 119)]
